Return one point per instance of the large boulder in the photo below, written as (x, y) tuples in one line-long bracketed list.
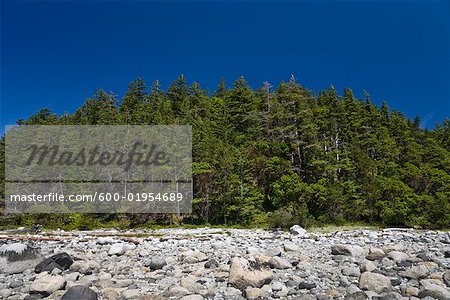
[(62, 261), (80, 292), (243, 275), (348, 250), (374, 282), (18, 257), (297, 230)]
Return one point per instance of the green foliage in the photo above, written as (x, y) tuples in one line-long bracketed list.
[(279, 156)]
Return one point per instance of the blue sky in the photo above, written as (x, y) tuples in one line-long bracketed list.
[(56, 54)]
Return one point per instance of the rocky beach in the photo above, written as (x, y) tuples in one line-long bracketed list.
[(206, 263)]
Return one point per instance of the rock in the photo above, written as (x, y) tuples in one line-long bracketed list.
[(232, 292), (415, 272), (62, 261), (375, 254), (192, 257), (351, 271), (177, 291), (18, 257), (289, 246), (48, 284), (34, 297), (297, 230), (347, 250), (212, 263), (356, 296), (193, 297), (242, 275), (307, 285), (390, 296), (367, 266), (435, 291), (80, 292), (85, 267), (254, 293), (156, 263), (112, 293), (120, 248), (253, 251), (374, 282), (105, 240), (412, 291), (277, 286), (131, 294), (272, 251), (398, 256), (279, 263), (397, 247), (5, 293), (446, 278), (306, 297)]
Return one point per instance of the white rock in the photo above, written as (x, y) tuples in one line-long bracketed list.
[(297, 230), (48, 284)]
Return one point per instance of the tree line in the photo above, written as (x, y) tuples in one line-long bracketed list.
[(277, 156)]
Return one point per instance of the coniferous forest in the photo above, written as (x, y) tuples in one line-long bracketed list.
[(279, 155)]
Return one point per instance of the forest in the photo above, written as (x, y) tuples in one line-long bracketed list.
[(277, 156)]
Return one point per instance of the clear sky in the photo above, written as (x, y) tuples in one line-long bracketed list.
[(55, 54)]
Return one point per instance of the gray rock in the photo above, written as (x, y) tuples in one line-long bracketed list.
[(156, 263), (435, 291), (279, 263), (446, 278), (368, 266), (356, 296), (277, 286), (15, 284), (351, 271), (374, 282), (289, 246), (415, 272), (80, 292), (177, 291), (272, 251), (212, 263), (192, 297), (390, 296), (62, 261), (131, 294), (5, 293), (307, 285)]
